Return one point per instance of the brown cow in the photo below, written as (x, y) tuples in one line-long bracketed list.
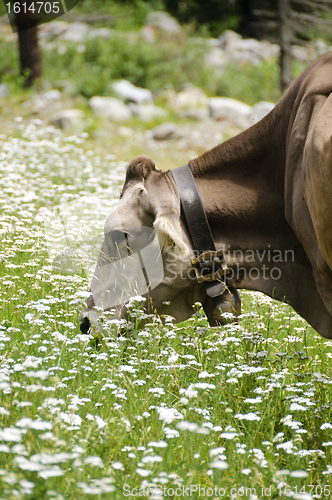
[(267, 194)]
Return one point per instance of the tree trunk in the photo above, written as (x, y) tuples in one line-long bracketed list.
[(245, 8), (285, 36), (30, 59)]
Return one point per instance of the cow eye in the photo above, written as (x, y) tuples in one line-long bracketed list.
[(117, 238)]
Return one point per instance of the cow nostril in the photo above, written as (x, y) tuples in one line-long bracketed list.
[(85, 325)]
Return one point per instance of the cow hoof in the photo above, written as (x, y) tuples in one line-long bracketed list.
[(85, 324)]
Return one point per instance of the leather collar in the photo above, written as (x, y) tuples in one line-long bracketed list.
[(209, 263)]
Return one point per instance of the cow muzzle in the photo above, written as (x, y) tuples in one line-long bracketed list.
[(89, 318)]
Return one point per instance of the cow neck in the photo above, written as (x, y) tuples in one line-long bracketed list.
[(251, 162), (241, 185), (251, 151)]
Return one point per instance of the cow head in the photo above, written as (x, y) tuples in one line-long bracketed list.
[(147, 250)]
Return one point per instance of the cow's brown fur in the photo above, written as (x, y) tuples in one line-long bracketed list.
[(268, 188), (285, 161), (138, 168)]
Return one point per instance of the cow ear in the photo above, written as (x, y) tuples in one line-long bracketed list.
[(139, 168), (169, 235)]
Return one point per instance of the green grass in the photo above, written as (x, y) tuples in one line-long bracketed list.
[(91, 68), (128, 15), (154, 66), (249, 83), (131, 15), (95, 416)]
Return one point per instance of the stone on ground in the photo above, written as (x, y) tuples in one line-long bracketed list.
[(190, 97), (128, 92), (165, 131), (259, 110), (110, 107), (164, 22), (67, 119), (225, 108), (148, 112)]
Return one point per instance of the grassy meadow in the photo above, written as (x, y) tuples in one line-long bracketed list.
[(166, 411)]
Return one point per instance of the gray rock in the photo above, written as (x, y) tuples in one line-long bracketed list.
[(129, 92), (148, 112), (164, 22), (302, 53), (165, 131), (259, 110), (191, 97), (216, 57), (77, 32), (52, 29), (243, 50), (212, 42), (4, 90), (320, 47), (229, 40), (67, 119), (37, 104), (126, 131), (66, 86), (110, 107), (202, 113), (148, 34), (53, 95), (41, 103), (100, 33), (225, 108)]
